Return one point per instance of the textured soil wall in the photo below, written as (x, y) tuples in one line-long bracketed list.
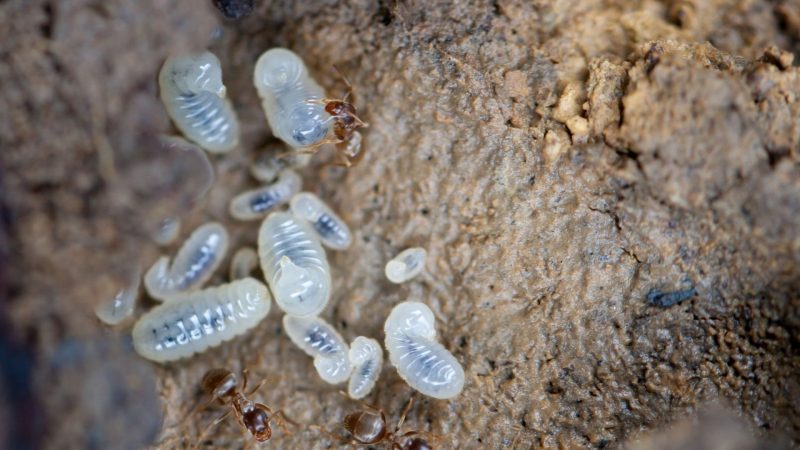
[(567, 164)]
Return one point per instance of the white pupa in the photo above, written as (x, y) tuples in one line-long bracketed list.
[(294, 264), (319, 340), (256, 203), (196, 261), (406, 265), (115, 310), (194, 96), (290, 98), (331, 229), (421, 361), (244, 261), (199, 320), (366, 357)]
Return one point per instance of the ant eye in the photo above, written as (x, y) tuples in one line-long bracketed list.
[(331, 229)]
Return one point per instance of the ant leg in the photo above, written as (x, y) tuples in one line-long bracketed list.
[(281, 420), (209, 427), (403, 415), (245, 372)]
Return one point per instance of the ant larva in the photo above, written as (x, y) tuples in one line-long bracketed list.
[(332, 230), (221, 385)]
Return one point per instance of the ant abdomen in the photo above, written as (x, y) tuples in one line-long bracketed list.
[(366, 426), (220, 384)]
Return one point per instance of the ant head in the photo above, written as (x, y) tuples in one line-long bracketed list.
[(257, 423), (417, 444), (366, 426)]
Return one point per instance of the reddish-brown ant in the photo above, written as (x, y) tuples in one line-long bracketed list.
[(221, 385)]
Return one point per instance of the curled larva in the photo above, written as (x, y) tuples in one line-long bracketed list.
[(421, 361), (405, 266), (168, 230), (194, 96), (332, 230), (294, 264), (199, 320), (196, 261), (291, 99), (323, 343), (256, 203), (366, 357), (114, 310), (244, 261)]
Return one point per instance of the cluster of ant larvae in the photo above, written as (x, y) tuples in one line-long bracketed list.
[(194, 97), (167, 232), (294, 264), (421, 361), (406, 265), (118, 308), (256, 203), (194, 264), (366, 357), (196, 321), (243, 263), (332, 230), (319, 340)]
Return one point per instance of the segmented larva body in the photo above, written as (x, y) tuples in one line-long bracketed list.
[(366, 357), (194, 96), (199, 320), (118, 308), (406, 265), (168, 231), (196, 261), (244, 261), (421, 361), (256, 203), (294, 264), (290, 98), (331, 229), (318, 339)]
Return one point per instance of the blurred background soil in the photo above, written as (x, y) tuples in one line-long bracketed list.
[(567, 164)]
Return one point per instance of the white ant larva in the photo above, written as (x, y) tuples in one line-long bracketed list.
[(366, 356), (323, 343), (168, 231), (405, 266), (115, 310), (196, 261), (199, 320), (421, 361), (332, 230), (291, 99), (244, 261), (256, 203), (194, 96), (294, 264)]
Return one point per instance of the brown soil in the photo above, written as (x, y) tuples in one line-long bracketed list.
[(566, 164)]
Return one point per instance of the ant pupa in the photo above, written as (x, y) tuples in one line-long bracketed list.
[(318, 339), (331, 229), (194, 264), (198, 320), (256, 203), (406, 265), (243, 263), (294, 264), (366, 357), (222, 386), (167, 232), (194, 96), (118, 308), (421, 361)]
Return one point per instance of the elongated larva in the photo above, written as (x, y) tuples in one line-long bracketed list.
[(256, 203), (323, 343), (199, 320), (168, 231), (290, 98), (421, 361), (115, 310), (196, 261), (331, 229), (366, 356), (244, 261), (405, 266), (194, 96), (294, 264)]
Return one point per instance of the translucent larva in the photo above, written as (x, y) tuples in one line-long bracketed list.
[(332, 230), (291, 99), (244, 261), (294, 264), (256, 203), (114, 310), (194, 96), (196, 261), (405, 266), (168, 230), (421, 361), (323, 343), (366, 357), (199, 320)]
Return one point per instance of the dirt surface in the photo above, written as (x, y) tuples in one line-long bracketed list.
[(568, 165)]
